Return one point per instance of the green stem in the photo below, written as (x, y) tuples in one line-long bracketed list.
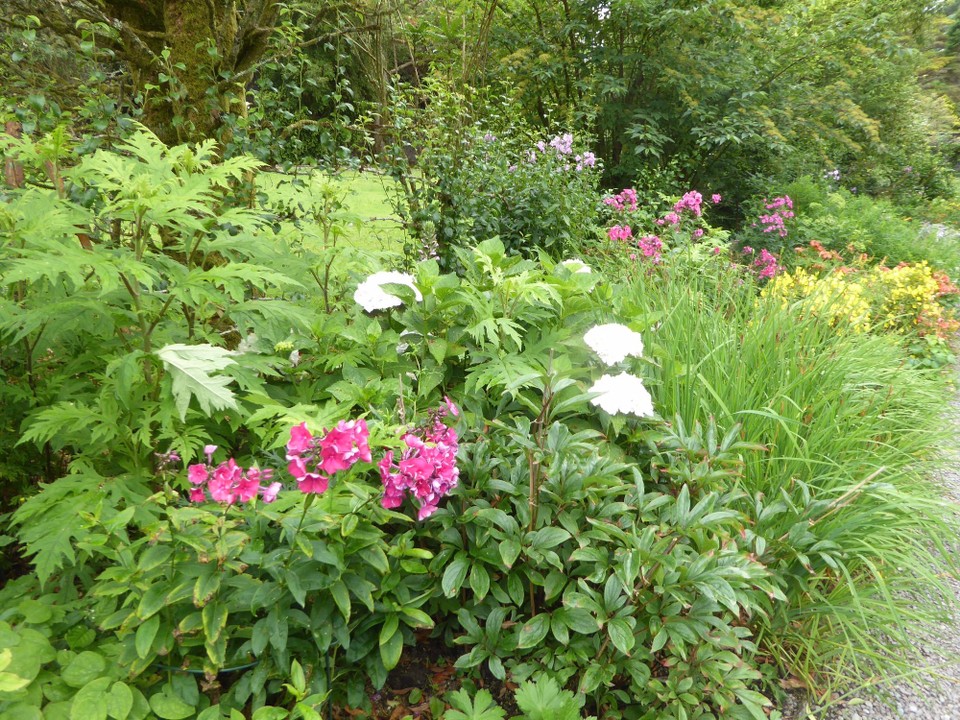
[(303, 516)]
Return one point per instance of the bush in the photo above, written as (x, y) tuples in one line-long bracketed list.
[(661, 552), (472, 183)]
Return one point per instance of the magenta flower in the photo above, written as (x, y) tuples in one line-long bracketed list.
[(698, 233), (650, 246), (716, 198), (690, 201), (427, 468), (338, 449), (197, 474), (228, 483)]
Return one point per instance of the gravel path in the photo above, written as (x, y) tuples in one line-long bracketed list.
[(935, 692)]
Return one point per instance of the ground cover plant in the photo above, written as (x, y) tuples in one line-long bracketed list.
[(275, 467)]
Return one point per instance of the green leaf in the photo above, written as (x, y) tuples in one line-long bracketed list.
[(84, 668), (479, 582), (191, 368), (547, 537), (621, 635), (11, 683), (168, 706), (214, 620), (89, 703), (533, 632), (268, 712), (119, 701), (207, 585), (455, 574), (341, 596), (509, 552), (153, 601), (146, 633), (391, 650)]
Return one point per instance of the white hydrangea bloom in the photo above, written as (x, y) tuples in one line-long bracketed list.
[(576, 265), (623, 393), (614, 342), (371, 295)]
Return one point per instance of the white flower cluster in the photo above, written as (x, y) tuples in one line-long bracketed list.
[(371, 295), (623, 393), (614, 342)]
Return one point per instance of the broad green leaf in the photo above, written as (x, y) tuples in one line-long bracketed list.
[(191, 369), (84, 668), (621, 635), (119, 701), (455, 574), (533, 632), (90, 702), (168, 706), (143, 641), (391, 650)]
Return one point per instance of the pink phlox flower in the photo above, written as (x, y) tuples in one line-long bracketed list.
[(451, 407), (766, 264), (691, 201), (312, 483), (563, 144), (209, 450), (301, 440), (198, 474), (338, 449), (618, 232), (271, 491), (623, 201), (672, 218), (343, 446), (427, 468), (716, 251), (229, 483), (698, 233), (650, 246), (716, 198), (747, 250)]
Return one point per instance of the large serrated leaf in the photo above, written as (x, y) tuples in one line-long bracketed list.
[(191, 368)]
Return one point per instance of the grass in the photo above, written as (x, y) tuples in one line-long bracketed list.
[(842, 497), (366, 197)]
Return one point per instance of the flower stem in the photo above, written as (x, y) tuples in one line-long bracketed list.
[(303, 516)]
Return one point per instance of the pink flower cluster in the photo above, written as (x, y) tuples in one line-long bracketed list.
[(670, 218), (588, 159), (651, 247), (563, 144), (312, 461), (620, 233), (776, 221), (691, 201), (229, 483), (766, 265), (623, 201), (427, 469)]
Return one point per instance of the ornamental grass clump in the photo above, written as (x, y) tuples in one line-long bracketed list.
[(840, 505)]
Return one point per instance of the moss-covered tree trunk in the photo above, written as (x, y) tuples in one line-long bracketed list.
[(190, 59)]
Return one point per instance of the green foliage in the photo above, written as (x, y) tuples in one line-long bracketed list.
[(609, 564), (839, 510), (473, 182)]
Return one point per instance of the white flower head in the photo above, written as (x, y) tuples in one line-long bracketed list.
[(576, 265), (372, 296), (614, 342), (623, 393)]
